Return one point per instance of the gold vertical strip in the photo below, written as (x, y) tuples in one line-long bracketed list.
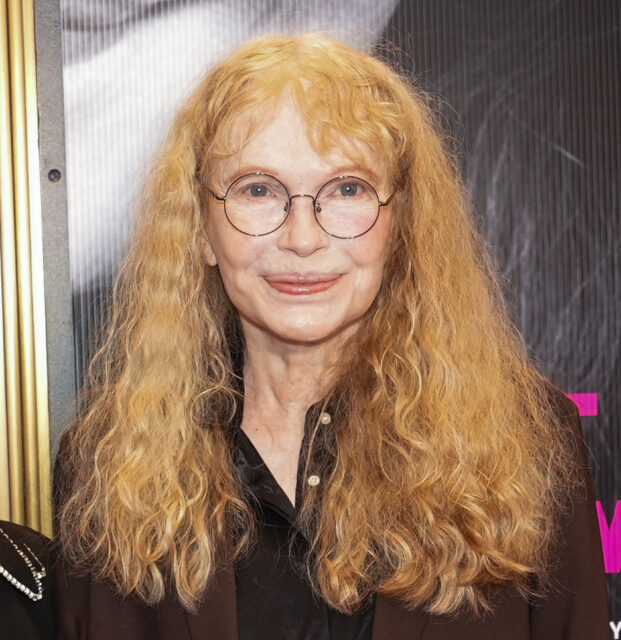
[(26, 432), (24, 276), (6, 205), (5, 501), (44, 489), (11, 363)]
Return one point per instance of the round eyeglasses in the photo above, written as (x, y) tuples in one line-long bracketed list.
[(345, 207)]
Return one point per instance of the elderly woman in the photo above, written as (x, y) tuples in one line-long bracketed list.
[(311, 417)]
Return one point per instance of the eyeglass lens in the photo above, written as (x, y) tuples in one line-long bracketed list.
[(345, 207)]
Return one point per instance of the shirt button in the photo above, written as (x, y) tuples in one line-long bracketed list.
[(313, 480), (325, 418)]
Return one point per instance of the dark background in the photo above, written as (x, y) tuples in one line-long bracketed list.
[(530, 92)]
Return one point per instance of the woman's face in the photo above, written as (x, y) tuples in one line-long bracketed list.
[(297, 284)]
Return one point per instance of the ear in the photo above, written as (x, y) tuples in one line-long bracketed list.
[(210, 255)]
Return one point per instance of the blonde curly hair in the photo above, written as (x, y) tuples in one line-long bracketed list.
[(449, 461)]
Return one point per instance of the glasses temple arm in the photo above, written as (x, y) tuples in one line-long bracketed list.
[(217, 197), (388, 201)]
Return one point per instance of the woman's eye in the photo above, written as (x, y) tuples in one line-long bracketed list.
[(350, 189), (258, 190)]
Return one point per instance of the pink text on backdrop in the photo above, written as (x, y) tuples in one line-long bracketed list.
[(611, 537), (587, 403)]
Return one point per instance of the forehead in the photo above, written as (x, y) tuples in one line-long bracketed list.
[(279, 140)]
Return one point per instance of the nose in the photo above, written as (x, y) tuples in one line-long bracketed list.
[(301, 232)]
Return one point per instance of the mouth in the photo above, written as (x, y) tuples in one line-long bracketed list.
[(297, 284)]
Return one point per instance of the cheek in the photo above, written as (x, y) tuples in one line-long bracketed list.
[(237, 261), (371, 256), (226, 247), (372, 259), (233, 269)]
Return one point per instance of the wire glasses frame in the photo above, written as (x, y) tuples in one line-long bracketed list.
[(287, 205)]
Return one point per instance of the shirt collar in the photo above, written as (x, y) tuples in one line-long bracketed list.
[(257, 479)]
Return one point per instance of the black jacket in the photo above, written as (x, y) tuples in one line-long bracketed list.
[(575, 608)]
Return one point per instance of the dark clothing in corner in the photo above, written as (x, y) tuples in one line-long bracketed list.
[(26, 611)]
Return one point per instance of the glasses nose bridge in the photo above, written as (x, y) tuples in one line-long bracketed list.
[(305, 195)]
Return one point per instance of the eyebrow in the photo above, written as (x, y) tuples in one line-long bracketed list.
[(341, 170), (358, 170)]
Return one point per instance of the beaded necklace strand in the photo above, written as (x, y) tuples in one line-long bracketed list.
[(37, 574)]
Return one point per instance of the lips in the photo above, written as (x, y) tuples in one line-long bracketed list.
[(297, 284)]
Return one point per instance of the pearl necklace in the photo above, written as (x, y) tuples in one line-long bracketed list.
[(37, 574)]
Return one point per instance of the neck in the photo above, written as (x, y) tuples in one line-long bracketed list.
[(282, 380)]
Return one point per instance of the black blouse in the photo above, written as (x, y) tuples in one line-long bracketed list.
[(275, 600)]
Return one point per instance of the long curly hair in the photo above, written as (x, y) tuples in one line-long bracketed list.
[(448, 466)]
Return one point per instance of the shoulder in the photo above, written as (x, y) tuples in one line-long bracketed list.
[(568, 416), (575, 605), (565, 408), (87, 607), (25, 599)]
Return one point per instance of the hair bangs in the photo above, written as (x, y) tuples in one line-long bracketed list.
[(345, 106)]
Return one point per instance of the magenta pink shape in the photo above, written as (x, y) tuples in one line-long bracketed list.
[(587, 403), (611, 538)]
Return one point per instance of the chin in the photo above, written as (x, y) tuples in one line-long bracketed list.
[(311, 335), (301, 337)]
